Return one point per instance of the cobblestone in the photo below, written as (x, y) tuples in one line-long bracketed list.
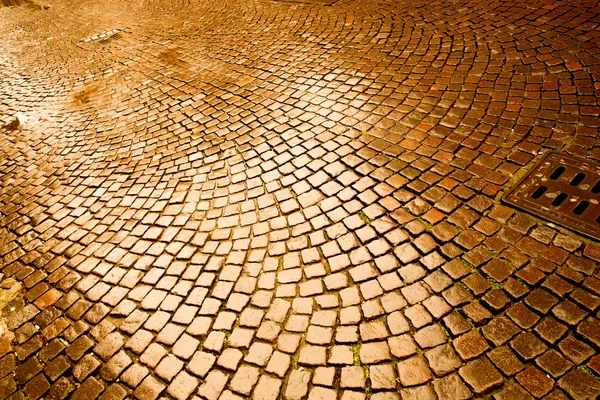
[(293, 200)]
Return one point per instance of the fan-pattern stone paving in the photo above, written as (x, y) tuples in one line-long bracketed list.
[(270, 199)]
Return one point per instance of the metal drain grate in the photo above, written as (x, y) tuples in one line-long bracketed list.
[(110, 38), (105, 37), (563, 189)]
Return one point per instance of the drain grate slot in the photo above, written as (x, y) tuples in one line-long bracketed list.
[(110, 38), (562, 189), (105, 37)]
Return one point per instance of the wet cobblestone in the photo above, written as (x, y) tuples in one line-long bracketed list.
[(265, 199)]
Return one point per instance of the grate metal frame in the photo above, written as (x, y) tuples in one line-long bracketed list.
[(563, 189), (105, 37)]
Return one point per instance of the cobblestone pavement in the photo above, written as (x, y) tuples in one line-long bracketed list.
[(266, 199)]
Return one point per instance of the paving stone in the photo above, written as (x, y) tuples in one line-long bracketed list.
[(317, 392), (481, 375), (244, 379), (228, 214), (470, 345), (153, 355), (86, 366), (593, 363), (505, 360), (500, 330), (512, 390), (279, 364), (590, 330), (569, 313), (456, 323), (37, 386), (575, 350), (259, 354), (312, 355), (288, 343), (27, 370), (109, 345), (382, 376), (229, 395), (353, 377), (402, 346), (89, 389), (117, 364), (451, 387), (541, 300), (443, 360), (528, 346), (150, 388), (213, 385), (169, 367), (418, 316), (341, 355), (319, 335), (7, 365), (134, 375), (8, 386), (419, 392), (267, 388), (413, 371), (553, 363), (61, 388), (229, 359), (114, 392), (430, 336), (297, 386), (374, 352), (522, 316), (580, 385), (550, 329), (185, 347), (324, 376)]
